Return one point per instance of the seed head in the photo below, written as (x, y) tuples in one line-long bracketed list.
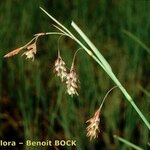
[(60, 68), (71, 82), (31, 51), (93, 128)]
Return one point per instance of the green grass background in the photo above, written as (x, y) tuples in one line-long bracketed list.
[(33, 102)]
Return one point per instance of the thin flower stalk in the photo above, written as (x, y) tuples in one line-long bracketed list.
[(30, 47)]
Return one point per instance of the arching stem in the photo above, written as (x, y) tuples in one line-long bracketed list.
[(72, 66), (106, 97)]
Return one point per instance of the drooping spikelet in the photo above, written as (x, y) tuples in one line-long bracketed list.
[(72, 82), (93, 128), (60, 68)]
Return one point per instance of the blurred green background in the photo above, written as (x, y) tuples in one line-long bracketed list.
[(33, 102)]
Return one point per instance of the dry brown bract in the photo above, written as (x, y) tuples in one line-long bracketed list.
[(71, 82), (93, 128), (14, 52), (60, 68)]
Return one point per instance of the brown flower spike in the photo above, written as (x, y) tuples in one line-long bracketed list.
[(93, 128), (60, 68)]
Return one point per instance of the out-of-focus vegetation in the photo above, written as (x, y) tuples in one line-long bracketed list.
[(33, 102)]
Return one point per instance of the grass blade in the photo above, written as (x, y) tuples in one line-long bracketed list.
[(63, 27), (128, 143)]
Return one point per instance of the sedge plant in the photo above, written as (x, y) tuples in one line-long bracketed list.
[(70, 77)]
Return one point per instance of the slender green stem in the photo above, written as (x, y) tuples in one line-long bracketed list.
[(54, 33), (72, 66), (58, 45), (62, 31), (128, 143), (42, 34), (49, 33)]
